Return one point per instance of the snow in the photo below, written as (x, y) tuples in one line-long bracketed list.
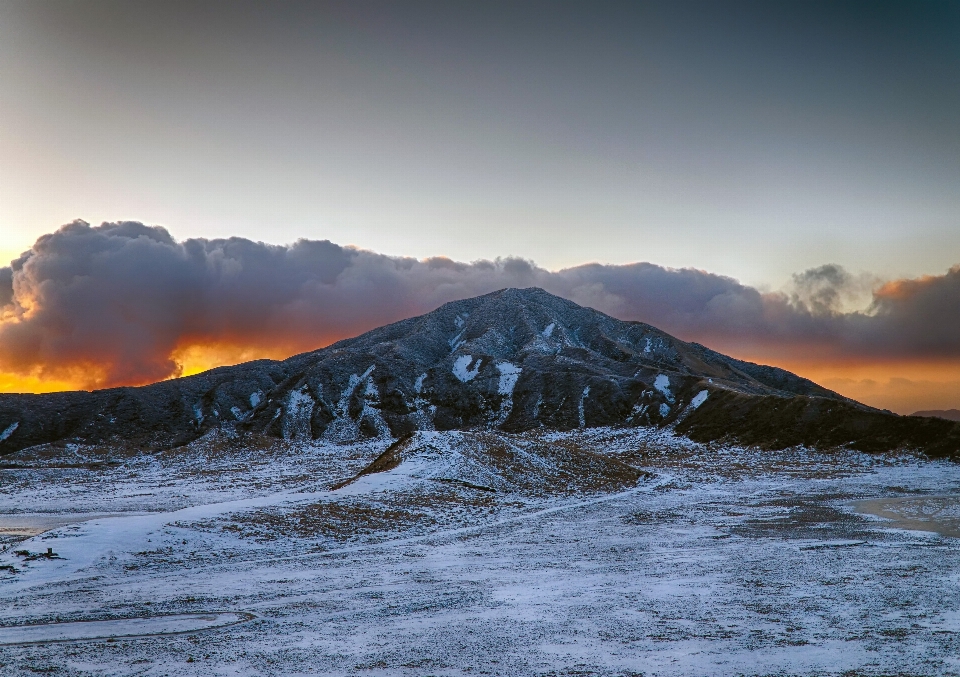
[(126, 627), (461, 371), (456, 341), (404, 475), (509, 373), (662, 384), (664, 409), (548, 331), (297, 413), (730, 561), (343, 428), (371, 397), (9, 430), (637, 411), (580, 407), (255, 398), (423, 409), (699, 399)]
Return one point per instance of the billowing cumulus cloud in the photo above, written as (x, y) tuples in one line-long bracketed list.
[(114, 304), (830, 289)]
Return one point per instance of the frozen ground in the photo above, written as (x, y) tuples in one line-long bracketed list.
[(467, 555)]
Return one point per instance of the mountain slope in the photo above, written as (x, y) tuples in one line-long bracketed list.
[(949, 414), (511, 360)]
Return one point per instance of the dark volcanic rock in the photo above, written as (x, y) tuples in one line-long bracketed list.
[(511, 360)]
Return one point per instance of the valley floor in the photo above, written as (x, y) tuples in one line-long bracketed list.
[(469, 558)]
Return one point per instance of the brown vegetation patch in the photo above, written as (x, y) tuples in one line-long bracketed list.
[(338, 521), (804, 517)]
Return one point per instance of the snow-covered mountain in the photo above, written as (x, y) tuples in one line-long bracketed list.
[(512, 360)]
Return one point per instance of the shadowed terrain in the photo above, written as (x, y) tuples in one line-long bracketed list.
[(513, 360)]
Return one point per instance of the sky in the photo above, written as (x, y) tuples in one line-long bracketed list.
[(808, 153)]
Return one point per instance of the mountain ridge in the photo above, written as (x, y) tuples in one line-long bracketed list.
[(948, 414), (511, 360)]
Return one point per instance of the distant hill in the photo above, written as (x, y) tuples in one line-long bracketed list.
[(949, 414), (513, 360)]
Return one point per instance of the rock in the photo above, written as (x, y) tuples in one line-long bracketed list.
[(512, 360)]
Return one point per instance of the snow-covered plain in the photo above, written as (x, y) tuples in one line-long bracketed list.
[(464, 557)]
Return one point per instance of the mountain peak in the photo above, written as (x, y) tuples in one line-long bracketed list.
[(511, 360)]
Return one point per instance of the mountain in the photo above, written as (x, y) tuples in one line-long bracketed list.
[(949, 414), (513, 360)]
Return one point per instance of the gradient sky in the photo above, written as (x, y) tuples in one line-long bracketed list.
[(749, 139), (754, 140)]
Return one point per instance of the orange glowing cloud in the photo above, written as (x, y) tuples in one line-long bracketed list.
[(126, 304), (900, 386)]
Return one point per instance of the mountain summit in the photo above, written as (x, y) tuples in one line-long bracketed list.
[(512, 360)]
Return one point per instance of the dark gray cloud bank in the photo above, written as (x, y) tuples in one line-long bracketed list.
[(119, 299)]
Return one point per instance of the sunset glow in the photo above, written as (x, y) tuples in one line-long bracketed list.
[(625, 158), (517, 338), (903, 387), (125, 304)]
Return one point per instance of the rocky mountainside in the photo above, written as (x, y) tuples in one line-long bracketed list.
[(512, 360)]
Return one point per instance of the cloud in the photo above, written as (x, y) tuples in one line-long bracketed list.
[(917, 317), (830, 289), (6, 287), (113, 304)]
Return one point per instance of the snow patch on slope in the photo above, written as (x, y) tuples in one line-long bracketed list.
[(637, 411), (509, 373), (423, 410), (536, 406), (457, 340), (297, 413), (371, 413), (343, 428), (580, 410), (699, 399), (461, 371), (9, 430), (662, 384)]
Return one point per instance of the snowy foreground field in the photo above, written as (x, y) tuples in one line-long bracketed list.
[(470, 554)]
